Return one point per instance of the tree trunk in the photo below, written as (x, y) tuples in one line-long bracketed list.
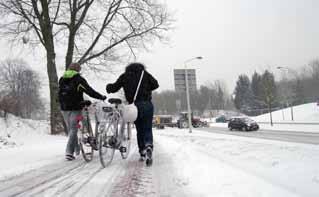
[(56, 119), (70, 50), (270, 113)]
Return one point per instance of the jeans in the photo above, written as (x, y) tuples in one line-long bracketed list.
[(143, 124), (71, 123)]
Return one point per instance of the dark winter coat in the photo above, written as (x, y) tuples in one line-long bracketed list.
[(79, 85), (129, 81)]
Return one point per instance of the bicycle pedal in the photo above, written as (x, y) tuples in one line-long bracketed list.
[(95, 147), (112, 141), (122, 149)]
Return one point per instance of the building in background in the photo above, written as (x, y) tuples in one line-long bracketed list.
[(179, 80)]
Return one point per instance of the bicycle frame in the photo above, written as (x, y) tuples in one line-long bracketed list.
[(83, 116), (114, 135), (113, 119)]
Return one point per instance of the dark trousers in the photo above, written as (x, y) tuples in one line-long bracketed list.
[(143, 124)]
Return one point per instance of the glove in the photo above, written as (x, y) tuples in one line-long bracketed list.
[(103, 97), (108, 88)]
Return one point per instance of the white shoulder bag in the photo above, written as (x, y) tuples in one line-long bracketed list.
[(130, 111)]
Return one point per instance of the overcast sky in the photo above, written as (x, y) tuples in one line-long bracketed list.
[(237, 36), (233, 37)]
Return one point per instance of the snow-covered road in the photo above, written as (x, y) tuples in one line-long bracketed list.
[(287, 136), (197, 164)]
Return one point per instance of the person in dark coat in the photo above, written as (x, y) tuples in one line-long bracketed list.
[(129, 81), (71, 88)]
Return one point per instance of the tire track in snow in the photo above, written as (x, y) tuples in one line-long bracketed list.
[(35, 178), (159, 179), (137, 181), (48, 182), (83, 182), (68, 182), (78, 178)]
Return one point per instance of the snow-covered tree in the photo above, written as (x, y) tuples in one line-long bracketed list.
[(243, 94), (19, 87), (256, 88)]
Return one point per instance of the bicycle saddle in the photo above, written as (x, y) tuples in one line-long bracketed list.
[(115, 101), (85, 103)]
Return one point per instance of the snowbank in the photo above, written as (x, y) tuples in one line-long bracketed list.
[(308, 113), (26, 145)]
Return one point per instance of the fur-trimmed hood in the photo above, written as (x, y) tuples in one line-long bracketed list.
[(134, 67)]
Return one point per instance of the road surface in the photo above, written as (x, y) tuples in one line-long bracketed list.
[(288, 136)]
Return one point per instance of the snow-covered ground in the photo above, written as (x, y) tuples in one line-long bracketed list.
[(308, 113), (196, 164), (222, 165), (28, 147)]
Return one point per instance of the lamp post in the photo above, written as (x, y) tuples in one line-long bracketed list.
[(291, 107), (187, 93)]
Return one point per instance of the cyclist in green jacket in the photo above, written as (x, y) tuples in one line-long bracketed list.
[(71, 88)]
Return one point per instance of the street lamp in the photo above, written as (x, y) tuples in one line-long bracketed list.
[(187, 92), (291, 107)]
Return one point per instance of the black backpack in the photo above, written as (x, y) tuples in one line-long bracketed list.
[(67, 92)]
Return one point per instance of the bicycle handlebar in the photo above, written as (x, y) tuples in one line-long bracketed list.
[(115, 101), (85, 103)]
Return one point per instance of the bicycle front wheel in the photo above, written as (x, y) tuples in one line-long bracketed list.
[(126, 140), (106, 145), (85, 139)]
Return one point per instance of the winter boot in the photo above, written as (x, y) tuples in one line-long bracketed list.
[(149, 159), (69, 157), (142, 157)]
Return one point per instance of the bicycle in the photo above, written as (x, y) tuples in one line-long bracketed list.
[(114, 133), (86, 139)]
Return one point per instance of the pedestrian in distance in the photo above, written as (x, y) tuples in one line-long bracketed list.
[(129, 81), (71, 88)]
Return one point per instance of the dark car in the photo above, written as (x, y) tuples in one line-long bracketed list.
[(222, 118), (243, 123)]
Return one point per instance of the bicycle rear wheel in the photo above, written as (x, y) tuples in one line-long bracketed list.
[(126, 140), (85, 139), (107, 142)]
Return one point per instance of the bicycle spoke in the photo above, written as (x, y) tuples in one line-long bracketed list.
[(106, 150), (111, 135), (84, 141), (126, 142)]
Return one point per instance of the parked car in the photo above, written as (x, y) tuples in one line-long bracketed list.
[(222, 118), (160, 121), (243, 123), (182, 121)]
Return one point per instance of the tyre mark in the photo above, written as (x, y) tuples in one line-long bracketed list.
[(51, 181), (58, 178), (86, 181), (137, 181), (36, 177), (41, 188), (115, 175)]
